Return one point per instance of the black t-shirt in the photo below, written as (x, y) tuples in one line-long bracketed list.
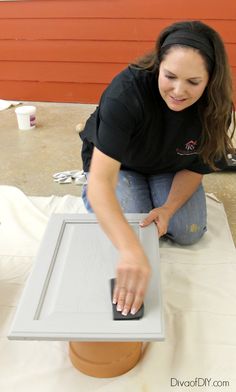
[(133, 125)]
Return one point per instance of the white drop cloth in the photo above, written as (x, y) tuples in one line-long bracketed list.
[(199, 295)]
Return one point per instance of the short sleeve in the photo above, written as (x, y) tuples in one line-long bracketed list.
[(115, 126), (199, 167)]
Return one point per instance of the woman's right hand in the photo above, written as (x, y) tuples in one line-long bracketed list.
[(132, 277)]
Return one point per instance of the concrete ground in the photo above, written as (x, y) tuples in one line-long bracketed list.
[(28, 159)]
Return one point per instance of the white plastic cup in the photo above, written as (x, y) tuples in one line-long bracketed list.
[(26, 117)]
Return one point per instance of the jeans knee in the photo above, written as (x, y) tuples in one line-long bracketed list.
[(190, 235)]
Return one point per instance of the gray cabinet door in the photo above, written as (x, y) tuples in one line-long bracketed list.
[(67, 295)]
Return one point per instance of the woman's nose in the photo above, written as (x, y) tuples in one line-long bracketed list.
[(178, 90)]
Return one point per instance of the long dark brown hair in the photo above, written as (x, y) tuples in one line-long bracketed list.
[(216, 108)]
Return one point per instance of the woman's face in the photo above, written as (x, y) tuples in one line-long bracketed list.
[(182, 78)]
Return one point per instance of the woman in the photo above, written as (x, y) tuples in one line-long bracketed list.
[(161, 124)]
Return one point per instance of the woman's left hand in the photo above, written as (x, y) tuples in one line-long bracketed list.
[(161, 217)]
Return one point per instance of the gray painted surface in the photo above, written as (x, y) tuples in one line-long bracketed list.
[(67, 296)]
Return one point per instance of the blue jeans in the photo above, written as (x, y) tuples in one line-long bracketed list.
[(138, 193)]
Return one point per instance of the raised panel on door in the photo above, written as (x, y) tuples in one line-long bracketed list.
[(67, 296)]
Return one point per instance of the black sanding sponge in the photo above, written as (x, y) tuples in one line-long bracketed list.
[(118, 315)]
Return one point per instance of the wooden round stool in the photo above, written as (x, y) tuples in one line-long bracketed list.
[(104, 359)]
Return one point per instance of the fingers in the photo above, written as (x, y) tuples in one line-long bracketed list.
[(128, 301), (130, 290), (125, 301), (161, 228), (153, 217), (160, 218), (149, 219)]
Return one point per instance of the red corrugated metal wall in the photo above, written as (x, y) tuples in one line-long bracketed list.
[(68, 51)]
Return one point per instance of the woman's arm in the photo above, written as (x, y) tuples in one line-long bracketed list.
[(133, 269), (184, 184)]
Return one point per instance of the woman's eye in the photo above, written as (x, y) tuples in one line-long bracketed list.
[(190, 81), (193, 83)]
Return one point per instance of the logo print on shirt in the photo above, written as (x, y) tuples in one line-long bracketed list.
[(189, 148)]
